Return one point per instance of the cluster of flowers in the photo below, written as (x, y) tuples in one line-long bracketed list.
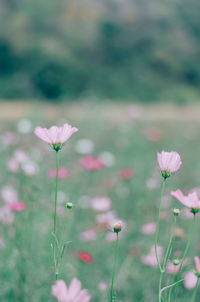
[(169, 163), (56, 137)]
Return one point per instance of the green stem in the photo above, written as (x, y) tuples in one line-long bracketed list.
[(170, 291), (166, 259), (195, 291), (114, 268), (59, 255), (55, 208), (169, 245), (56, 192), (185, 252), (158, 223)]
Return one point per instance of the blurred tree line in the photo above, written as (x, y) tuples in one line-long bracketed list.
[(119, 49)]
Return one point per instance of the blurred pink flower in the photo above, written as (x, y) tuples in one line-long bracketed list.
[(126, 173), (88, 235), (6, 215), (9, 138), (13, 165), (91, 163), (73, 293), (106, 219), (29, 168), (9, 195), (153, 134), (150, 259), (169, 162), (174, 269), (191, 201), (20, 156), (190, 280), (62, 173), (18, 206), (148, 228), (102, 286), (197, 264), (55, 135), (101, 203), (111, 236)]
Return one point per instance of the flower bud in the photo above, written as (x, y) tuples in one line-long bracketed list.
[(176, 212), (57, 147), (176, 262), (117, 227), (69, 205), (165, 174)]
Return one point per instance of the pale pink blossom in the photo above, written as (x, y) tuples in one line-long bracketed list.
[(197, 264), (174, 269), (20, 156), (13, 165), (106, 219), (169, 162), (55, 135), (101, 203), (29, 168), (62, 173), (88, 235), (91, 163), (191, 200), (150, 258), (73, 293), (6, 215), (148, 228), (9, 195), (102, 286), (190, 280)]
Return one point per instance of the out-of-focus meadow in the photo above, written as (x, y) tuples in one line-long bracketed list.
[(126, 138), (127, 74), (130, 49)]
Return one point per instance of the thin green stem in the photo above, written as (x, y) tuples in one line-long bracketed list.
[(185, 252), (59, 255), (56, 192), (195, 291), (170, 291), (158, 223), (55, 214), (112, 298), (169, 245)]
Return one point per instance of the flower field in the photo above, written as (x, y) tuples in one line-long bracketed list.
[(108, 173)]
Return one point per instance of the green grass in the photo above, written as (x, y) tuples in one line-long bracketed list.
[(26, 271)]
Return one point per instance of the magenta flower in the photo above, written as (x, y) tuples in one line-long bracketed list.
[(73, 293), (18, 206), (55, 136), (191, 201), (169, 162), (197, 265), (91, 163)]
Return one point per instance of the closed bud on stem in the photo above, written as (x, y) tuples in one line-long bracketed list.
[(176, 262), (165, 174), (176, 212), (117, 227), (57, 147), (69, 205)]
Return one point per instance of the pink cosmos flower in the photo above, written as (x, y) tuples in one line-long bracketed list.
[(169, 162), (191, 201), (148, 228), (18, 206), (150, 259), (6, 215), (197, 264), (62, 173), (174, 269), (73, 293), (55, 136), (190, 280), (13, 165), (91, 163), (101, 203)]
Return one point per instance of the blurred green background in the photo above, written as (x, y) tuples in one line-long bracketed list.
[(115, 49)]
